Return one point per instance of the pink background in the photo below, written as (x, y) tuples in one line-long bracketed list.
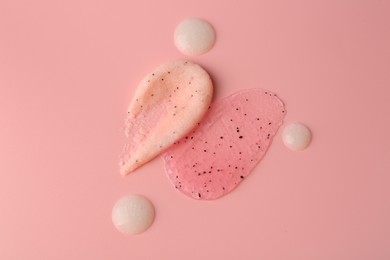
[(67, 73)]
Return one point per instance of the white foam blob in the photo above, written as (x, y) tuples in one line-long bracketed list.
[(296, 136), (194, 36), (133, 214)]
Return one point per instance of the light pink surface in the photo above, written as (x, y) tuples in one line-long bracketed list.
[(233, 136), (167, 104), (68, 70)]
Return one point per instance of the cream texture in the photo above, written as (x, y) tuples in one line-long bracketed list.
[(194, 36), (296, 136), (133, 214)]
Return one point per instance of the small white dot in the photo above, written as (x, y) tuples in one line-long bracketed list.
[(194, 36), (296, 136), (133, 214)]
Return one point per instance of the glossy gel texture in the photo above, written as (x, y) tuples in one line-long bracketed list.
[(230, 140)]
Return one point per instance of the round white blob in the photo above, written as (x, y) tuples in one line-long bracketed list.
[(194, 36), (133, 214), (296, 136)]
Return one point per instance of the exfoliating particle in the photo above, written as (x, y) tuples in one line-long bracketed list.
[(167, 104), (222, 150)]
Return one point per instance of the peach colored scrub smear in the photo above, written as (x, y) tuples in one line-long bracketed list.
[(230, 140), (167, 104)]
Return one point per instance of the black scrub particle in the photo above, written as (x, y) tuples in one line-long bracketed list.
[(242, 177), (204, 150), (171, 156), (240, 137), (221, 137), (200, 196), (237, 109)]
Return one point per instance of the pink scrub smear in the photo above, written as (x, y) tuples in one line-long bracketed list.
[(223, 149), (167, 104)]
